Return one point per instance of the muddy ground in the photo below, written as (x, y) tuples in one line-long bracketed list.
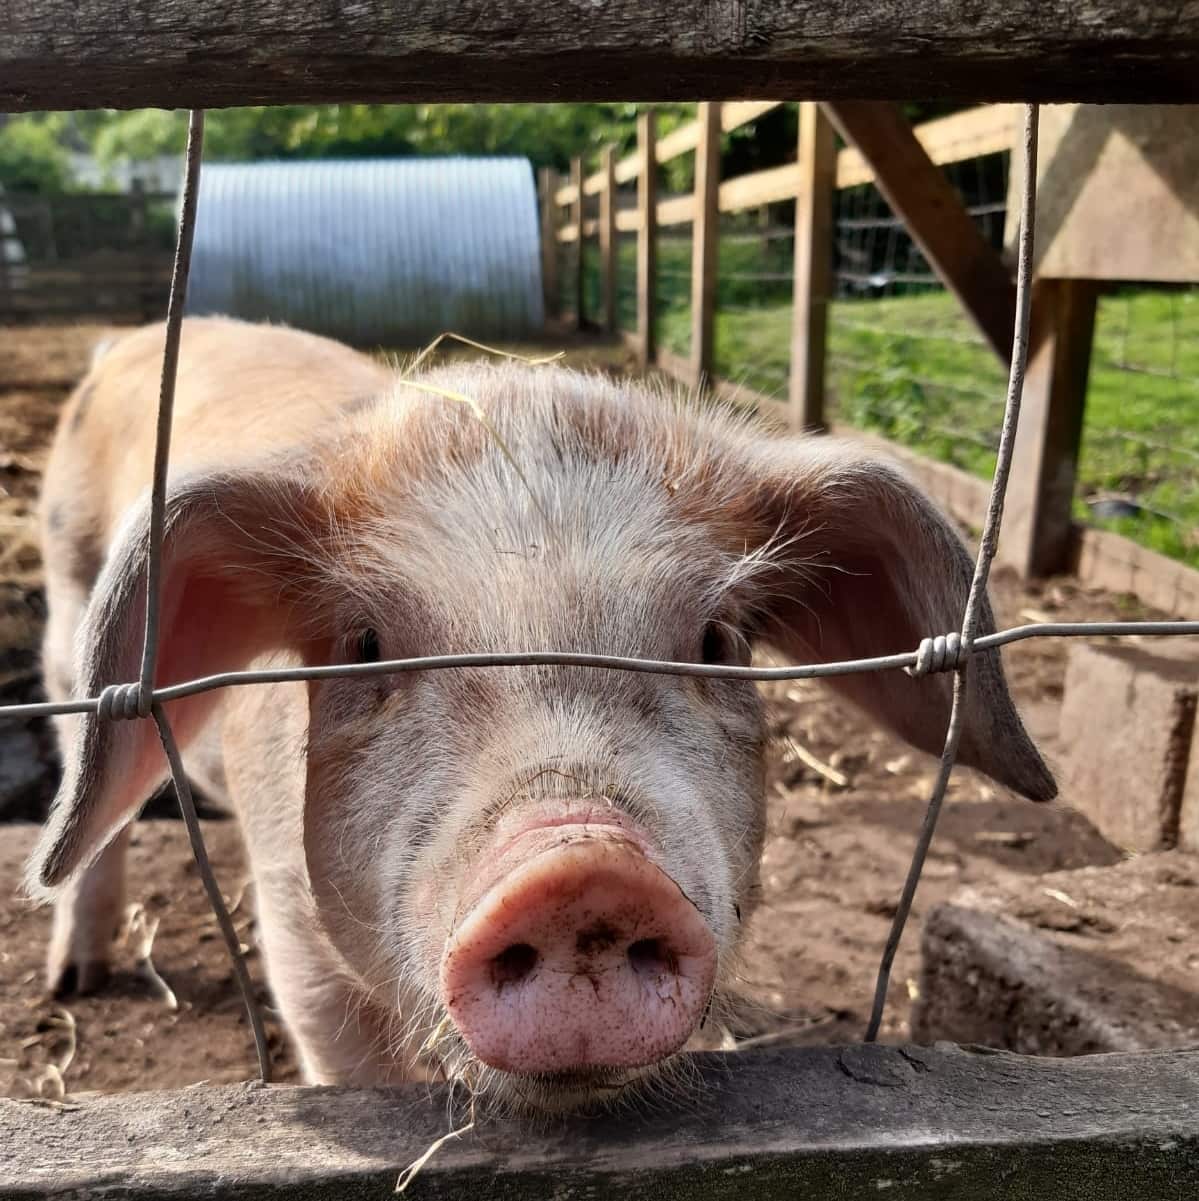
[(845, 802)]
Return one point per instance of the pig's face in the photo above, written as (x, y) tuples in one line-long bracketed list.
[(558, 858), (541, 870)]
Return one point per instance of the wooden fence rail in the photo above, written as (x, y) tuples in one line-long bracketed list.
[(934, 1124), (109, 53)]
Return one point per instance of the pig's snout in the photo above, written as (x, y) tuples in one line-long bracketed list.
[(585, 955)]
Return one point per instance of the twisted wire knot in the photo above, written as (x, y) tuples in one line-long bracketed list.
[(122, 702), (945, 652)]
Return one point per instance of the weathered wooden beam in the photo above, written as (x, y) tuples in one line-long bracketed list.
[(1040, 495), (62, 54), (812, 286), (918, 192), (577, 211), (942, 1124), (647, 238), (607, 238), (705, 241)]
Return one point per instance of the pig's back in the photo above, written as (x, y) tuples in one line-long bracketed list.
[(242, 392)]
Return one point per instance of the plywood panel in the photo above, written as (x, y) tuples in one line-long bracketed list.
[(1118, 193)]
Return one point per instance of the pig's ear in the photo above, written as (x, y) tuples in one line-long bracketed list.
[(872, 568), (237, 555)]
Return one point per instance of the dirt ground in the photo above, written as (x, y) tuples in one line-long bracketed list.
[(845, 803)]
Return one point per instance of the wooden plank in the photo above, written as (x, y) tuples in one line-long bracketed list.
[(607, 238), (1040, 493), (676, 210), (938, 1124), (647, 238), (628, 220), (918, 192), (549, 242), (66, 54), (1117, 194), (732, 116), (686, 137), (576, 177), (812, 286), (760, 187), (705, 241), (972, 133)]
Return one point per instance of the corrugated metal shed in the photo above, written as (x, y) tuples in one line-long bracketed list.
[(372, 251)]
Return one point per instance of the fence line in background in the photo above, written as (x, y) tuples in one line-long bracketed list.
[(85, 254)]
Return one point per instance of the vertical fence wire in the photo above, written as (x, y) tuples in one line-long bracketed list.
[(146, 705), (982, 569)]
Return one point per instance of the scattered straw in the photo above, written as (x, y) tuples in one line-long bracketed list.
[(62, 1018), (406, 381), (139, 933), (436, 1035), (795, 751), (529, 360), (416, 1166)]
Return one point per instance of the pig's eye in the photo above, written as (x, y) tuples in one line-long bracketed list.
[(722, 645), (366, 647)]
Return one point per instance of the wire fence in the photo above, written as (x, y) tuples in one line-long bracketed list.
[(940, 651)]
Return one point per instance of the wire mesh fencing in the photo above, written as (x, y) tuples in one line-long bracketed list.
[(905, 362), (940, 651)]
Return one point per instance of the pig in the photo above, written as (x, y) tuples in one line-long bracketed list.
[(533, 879)]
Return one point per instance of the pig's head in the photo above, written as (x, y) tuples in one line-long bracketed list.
[(544, 869)]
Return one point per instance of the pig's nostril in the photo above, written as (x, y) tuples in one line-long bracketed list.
[(513, 964), (652, 957)]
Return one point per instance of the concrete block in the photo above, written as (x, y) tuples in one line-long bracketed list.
[(1070, 963), (1127, 728)]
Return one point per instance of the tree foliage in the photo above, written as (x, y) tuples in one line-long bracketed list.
[(32, 158), (547, 134)]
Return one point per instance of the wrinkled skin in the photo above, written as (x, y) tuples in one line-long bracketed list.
[(532, 878)]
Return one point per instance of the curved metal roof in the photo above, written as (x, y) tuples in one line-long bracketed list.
[(373, 251)]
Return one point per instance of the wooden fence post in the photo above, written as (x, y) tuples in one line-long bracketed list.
[(607, 237), (1040, 494), (547, 185), (5, 239), (577, 209), (705, 242), (812, 286), (139, 237), (647, 236)]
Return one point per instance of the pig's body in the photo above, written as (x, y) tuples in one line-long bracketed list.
[(538, 871), (101, 461)]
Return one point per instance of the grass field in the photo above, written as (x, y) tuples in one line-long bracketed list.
[(914, 369)]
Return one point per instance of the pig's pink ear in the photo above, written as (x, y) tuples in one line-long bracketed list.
[(236, 556), (873, 569)]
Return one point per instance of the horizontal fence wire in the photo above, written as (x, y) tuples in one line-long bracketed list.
[(106, 703), (949, 651)]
